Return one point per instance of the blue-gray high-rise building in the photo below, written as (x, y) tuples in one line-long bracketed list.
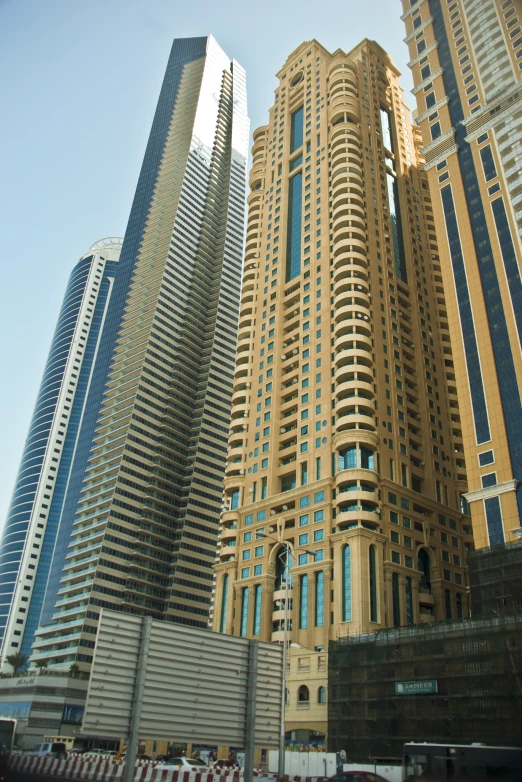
[(140, 518), (30, 532)]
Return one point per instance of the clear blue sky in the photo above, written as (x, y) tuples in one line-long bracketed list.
[(80, 80)]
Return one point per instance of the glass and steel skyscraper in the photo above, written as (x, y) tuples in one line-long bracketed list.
[(31, 527), (142, 513), (466, 61)]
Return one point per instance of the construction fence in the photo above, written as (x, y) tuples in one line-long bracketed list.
[(495, 580), (452, 682)]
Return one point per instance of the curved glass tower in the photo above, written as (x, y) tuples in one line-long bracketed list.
[(30, 531), (141, 516)]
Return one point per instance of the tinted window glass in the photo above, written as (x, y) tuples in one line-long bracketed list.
[(488, 163)]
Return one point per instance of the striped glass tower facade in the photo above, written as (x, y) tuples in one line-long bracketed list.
[(30, 532), (466, 61), (144, 510)]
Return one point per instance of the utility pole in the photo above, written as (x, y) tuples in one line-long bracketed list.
[(282, 736), (251, 704), (139, 688)]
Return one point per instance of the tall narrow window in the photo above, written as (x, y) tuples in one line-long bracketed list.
[(494, 521), (293, 230), (318, 469), (459, 605), (438, 487), (244, 612), (464, 506), (347, 585), (396, 600), (386, 130), (288, 482), (348, 458), (396, 227), (234, 500), (367, 459), (264, 488), (257, 609), (303, 606), (319, 599), (224, 600), (296, 129), (304, 473), (409, 601), (447, 603), (373, 584), (490, 171)]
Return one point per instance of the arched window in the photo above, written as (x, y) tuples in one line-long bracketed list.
[(224, 600), (319, 599), (244, 613), (321, 695), (347, 584), (303, 604), (257, 609), (424, 567), (373, 585), (282, 572), (303, 694)]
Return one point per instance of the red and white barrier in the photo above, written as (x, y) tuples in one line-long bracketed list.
[(90, 769), (106, 769)]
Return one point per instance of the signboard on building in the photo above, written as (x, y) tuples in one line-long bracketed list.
[(196, 684), (416, 688)]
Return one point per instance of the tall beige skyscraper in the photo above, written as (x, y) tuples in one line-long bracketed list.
[(466, 61), (346, 439)]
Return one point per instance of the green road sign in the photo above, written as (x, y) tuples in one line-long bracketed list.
[(416, 688)]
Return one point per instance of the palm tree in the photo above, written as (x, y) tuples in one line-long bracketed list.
[(17, 661), (74, 670), (41, 665)]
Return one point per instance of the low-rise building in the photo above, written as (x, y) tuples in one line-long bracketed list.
[(45, 704)]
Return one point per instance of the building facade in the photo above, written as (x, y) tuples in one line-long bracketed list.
[(31, 530), (144, 512), (466, 60), (345, 438)]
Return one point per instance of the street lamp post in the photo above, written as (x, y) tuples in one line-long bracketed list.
[(282, 735), (281, 758)]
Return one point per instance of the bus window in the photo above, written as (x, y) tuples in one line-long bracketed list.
[(415, 766)]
